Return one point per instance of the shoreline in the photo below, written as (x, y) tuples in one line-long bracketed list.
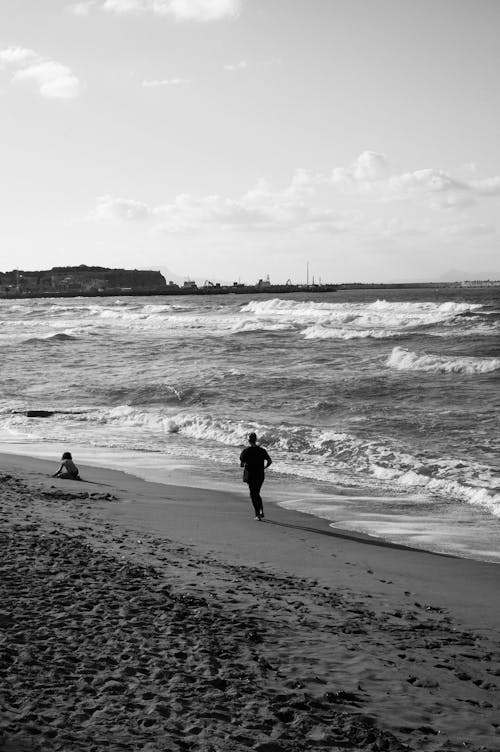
[(241, 289), (293, 495), (152, 616), (221, 522)]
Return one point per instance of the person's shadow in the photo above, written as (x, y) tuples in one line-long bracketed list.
[(367, 541)]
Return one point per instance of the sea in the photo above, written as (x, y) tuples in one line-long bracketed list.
[(379, 407)]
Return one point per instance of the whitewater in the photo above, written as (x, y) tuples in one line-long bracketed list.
[(379, 407)]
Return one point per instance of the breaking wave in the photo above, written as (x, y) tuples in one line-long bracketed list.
[(322, 454), (319, 378), (379, 320), (405, 360), (318, 331), (59, 337), (260, 326)]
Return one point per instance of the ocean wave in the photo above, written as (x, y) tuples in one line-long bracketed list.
[(350, 320), (323, 449), (319, 331), (313, 451), (322, 453), (279, 306), (59, 337), (15, 307), (75, 308), (317, 453), (406, 360), (165, 320), (160, 308), (259, 326), (321, 320), (154, 394), (445, 487)]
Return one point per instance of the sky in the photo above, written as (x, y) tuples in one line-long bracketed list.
[(234, 139)]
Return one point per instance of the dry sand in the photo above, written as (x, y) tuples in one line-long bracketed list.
[(140, 616)]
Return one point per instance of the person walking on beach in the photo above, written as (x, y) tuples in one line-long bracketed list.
[(255, 460), (68, 468)]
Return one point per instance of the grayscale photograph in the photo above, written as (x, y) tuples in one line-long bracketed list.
[(249, 376)]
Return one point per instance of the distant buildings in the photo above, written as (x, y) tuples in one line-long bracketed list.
[(76, 280), (480, 283), (71, 281)]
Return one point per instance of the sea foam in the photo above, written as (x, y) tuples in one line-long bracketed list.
[(319, 331), (351, 320), (405, 360), (324, 453)]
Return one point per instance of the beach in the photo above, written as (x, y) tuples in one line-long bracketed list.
[(145, 616), (246, 246), (378, 407)]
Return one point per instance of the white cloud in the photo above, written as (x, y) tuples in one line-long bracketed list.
[(303, 182), (440, 190), (233, 67), (81, 8), (259, 209), (370, 176), (244, 64), (369, 166), (54, 80), (487, 186), (204, 10), (453, 200), (428, 180), (18, 56), (180, 10), (124, 6), (114, 209), (155, 83), (314, 202), (467, 230)]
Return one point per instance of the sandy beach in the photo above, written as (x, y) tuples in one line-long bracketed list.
[(142, 616)]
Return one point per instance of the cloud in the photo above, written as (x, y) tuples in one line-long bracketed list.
[(111, 209), (155, 83), (54, 80), (81, 8), (429, 180), (18, 56), (441, 190), (179, 10), (232, 67), (369, 166), (487, 186), (244, 64), (370, 176), (316, 202), (453, 200), (124, 6), (259, 209), (204, 10), (467, 230)]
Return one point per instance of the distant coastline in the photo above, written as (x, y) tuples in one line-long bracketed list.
[(241, 290), (85, 281)]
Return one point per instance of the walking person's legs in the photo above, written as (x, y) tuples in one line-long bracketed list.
[(254, 485)]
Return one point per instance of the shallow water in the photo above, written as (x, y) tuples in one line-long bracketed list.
[(380, 408)]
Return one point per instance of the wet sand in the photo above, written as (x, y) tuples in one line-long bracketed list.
[(141, 616)]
